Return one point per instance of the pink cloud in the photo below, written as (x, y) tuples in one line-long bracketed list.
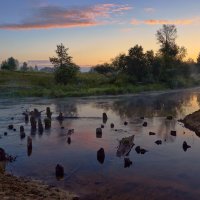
[(47, 16), (164, 21)]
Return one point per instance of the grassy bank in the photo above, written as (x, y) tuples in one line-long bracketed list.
[(39, 84)]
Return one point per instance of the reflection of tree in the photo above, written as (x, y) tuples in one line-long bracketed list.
[(165, 128), (68, 108), (149, 106)]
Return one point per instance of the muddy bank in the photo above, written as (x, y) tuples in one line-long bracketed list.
[(192, 122), (19, 188)]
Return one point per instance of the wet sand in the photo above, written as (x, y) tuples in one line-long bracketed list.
[(14, 188)]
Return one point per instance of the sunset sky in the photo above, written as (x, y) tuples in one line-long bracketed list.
[(94, 31)]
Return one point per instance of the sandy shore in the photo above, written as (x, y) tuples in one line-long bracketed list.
[(14, 188)]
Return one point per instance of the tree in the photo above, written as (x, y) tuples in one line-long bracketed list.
[(103, 69), (24, 67), (10, 64), (198, 63), (120, 63), (65, 69), (166, 36), (136, 65)]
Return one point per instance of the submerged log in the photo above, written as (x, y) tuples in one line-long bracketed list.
[(33, 124), (48, 112), (105, 118), (98, 133)]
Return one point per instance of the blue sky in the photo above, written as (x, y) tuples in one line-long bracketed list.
[(94, 31)]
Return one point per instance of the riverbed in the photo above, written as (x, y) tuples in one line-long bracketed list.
[(165, 171)]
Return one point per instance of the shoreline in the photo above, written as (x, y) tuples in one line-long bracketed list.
[(18, 188), (148, 92)]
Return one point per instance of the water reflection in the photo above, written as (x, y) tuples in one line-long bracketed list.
[(162, 163)]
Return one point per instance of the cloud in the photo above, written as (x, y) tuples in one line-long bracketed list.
[(164, 21), (48, 16), (149, 10)]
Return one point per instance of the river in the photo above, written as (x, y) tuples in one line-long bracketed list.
[(166, 171)]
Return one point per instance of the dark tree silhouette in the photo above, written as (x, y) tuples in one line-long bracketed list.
[(10, 64), (24, 67), (65, 69)]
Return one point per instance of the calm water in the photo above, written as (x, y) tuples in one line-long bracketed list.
[(164, 172)]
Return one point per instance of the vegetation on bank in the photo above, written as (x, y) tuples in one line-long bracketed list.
[(40, 84), (134, 72)]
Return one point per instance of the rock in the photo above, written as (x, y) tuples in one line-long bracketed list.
[(47, 123), (152, 133), (2, 155), (10, 127), (101, 155), (185, 146), (158, 142), (112, 125), (59, 171), (144, 124), (99, 133), (105, 118), (137, 149), (192, 122), (127, 162), (5, 133), (143, 151), (169, 117), (125, 123), (173, 133), (140, 150)]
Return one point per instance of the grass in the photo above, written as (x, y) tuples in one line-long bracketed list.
[(40, 84)]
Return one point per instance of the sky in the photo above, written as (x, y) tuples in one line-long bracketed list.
[(95, 31)]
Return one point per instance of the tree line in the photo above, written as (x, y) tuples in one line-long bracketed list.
[(166, 65)]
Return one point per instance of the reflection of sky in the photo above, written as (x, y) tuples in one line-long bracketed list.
[(31, 31), (166, 164)]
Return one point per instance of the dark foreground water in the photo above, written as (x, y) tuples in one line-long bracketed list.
[(165, 172)]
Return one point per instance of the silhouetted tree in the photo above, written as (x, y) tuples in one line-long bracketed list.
[(103, 69), (65, 69), (10, 64), (24, 67), (136, 64), (166, 36), (120, 63), (36, 68), (198, 63)]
